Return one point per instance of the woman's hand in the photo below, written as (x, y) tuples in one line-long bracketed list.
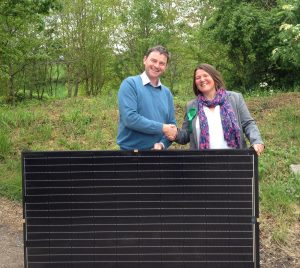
[(259, 148)]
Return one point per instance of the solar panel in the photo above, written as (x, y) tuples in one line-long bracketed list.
[(141, 209)]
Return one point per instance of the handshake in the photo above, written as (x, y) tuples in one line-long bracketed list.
[(170, 131)]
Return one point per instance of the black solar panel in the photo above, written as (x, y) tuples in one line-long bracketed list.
[(145, 209)]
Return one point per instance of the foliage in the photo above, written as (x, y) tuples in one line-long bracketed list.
[(245, 30), (21, 39), (85, 37), (87, 47), (288, 49), (286, 53)]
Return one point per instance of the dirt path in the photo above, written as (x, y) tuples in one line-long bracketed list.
[(11, 234), (11, 242)]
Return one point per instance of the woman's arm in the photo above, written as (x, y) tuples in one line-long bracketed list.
[(249, 126)]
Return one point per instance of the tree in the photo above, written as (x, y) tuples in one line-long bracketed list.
[(145, 23), (286, 52), (85, 28), (246, 30), (21, 23)]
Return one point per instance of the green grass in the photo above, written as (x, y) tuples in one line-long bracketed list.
[(11, 180), (282, 135), (91, 124), (279, 200), (278, 117), (5, 144)]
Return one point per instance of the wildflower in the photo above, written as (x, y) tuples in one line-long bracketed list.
[(285, 26), (274, 51), (288, 7), (263, 84)]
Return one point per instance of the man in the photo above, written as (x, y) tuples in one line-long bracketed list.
[(146, 108)]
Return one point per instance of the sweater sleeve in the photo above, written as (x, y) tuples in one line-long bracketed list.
[(128, 108)]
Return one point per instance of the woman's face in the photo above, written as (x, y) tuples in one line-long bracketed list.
[(204, 82)]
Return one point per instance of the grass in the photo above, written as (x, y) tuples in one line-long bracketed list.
[(278, 117), (91, 124), (5, 144), (279, 201)]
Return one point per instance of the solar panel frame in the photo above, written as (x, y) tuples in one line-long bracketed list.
[(141, 209)]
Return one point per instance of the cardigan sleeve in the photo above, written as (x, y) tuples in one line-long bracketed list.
[(249, 126), (183, 133)]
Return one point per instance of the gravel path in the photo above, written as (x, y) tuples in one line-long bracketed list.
[(11, 242)]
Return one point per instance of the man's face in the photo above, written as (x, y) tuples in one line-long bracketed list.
[(155, 65)]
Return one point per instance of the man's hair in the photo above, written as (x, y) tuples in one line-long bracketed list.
[(215, 75), (160, 49)]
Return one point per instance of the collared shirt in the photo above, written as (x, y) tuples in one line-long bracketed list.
[(146, 80)]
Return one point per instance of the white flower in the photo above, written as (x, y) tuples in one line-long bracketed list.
[(288, 7), (274, 51), (296, 28), (263, 84), (285, 26)]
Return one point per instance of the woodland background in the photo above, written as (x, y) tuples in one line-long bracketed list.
[(59, 48)]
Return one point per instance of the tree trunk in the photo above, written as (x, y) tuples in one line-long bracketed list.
[(69, 83), (11, 88), (57, 77), (50, 79), (76, 88)]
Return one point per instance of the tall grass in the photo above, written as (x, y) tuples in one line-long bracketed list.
[(5, 144), (18, 117), (282, 134), (278, 117)]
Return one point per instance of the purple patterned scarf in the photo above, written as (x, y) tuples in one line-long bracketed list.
[(229, 122)]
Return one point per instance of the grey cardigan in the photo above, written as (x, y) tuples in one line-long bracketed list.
[(246, 122)]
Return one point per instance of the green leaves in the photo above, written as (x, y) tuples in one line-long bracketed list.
[(246, 29), (103, 41), (21, 39), (287, 51)]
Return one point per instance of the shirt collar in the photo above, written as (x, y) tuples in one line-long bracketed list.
[(146, 80)]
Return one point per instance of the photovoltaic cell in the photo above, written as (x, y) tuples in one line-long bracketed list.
[(126, 209)]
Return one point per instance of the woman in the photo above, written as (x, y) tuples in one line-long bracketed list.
[(217, 118)]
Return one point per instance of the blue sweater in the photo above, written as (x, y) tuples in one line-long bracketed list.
[(142, 112)]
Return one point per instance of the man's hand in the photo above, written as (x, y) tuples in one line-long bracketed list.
[(170, 131), (158, 146)]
